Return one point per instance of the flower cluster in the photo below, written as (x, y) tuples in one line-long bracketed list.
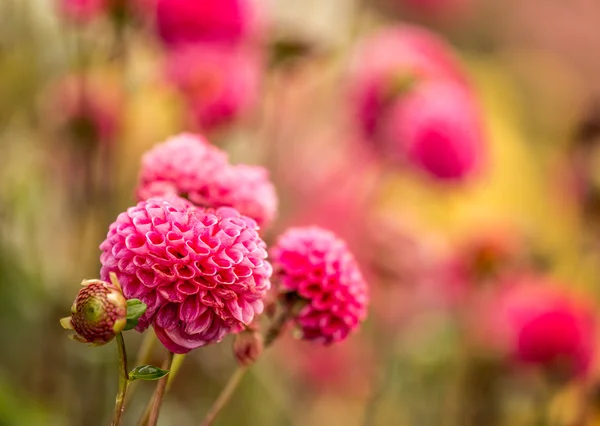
[(202, 273), (414, 103), (188, 166), (316, 266)]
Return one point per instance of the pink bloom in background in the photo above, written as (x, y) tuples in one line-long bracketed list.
[(188, 166), (413, 102), (318, 267), (81, 11), (191, 21), (397, 55), (219, 83), (540, 324), (437, 128), (202, 273), (90, 110)]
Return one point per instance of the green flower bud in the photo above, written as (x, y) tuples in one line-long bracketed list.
[(98, 314)]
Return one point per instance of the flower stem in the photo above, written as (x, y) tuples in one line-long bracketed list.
[(143, 357), (160, 391), (271, 336), (123, 381)]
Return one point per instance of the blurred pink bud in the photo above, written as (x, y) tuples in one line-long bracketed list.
[(190, 21), (219, 83), (81, 11), (88, 108), (436, 127), (202, 273), (539, 324), (317, 267), (247, 346)]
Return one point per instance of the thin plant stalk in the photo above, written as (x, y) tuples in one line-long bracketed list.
[(272, 334), (123, 381), (159, 393), (143, 357)]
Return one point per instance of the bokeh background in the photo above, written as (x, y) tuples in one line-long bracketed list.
[(437, 253)]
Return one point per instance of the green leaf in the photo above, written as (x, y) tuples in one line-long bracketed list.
[(147, 372), (135, 309)]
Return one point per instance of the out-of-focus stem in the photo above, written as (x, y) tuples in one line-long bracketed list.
[(123, 381), (159, 393), (271, 336), (176, 365)]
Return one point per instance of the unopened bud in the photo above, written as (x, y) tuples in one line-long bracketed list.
[(247, 346), (98, 314)]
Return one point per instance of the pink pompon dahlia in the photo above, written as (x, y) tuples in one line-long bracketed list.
[(202, 273), (188, 166), (224, 21), (219, 83), (435, 127), (316, 266)]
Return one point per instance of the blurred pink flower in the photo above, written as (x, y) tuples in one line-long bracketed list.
[(219, 83), (188, 166), (88, 108), (414, 103), (186, 21), (81, 11), (539, 324), (437, 128), (398, 56), (202, 273), (315, 265)]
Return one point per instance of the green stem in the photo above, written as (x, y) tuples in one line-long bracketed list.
[(160, 391), (123, 381), (271, 335), (176, 365)]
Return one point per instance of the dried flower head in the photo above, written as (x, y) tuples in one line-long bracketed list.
[(98, 313), (202, 273), (317, 267)]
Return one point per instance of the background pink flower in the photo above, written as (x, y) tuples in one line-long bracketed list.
[(539, 324), (219, 83), (437, 128), (202, 273), (318, 267), (185, 21), (81, 11)]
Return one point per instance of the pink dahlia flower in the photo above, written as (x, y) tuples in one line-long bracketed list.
[(219, 83), (317, 266), (393, 59), (436, 127), (202, 273), (538, 324), (188, 166), (191, 21)]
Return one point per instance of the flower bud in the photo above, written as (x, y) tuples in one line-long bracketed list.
[(247, 346), (98, 314)]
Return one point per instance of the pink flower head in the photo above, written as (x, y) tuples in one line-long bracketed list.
[(191, 21), (395, 58), (81, 11), (538, 324), (185, 165), (202, 273), (188, 166), (436, 127), (220, 83), (317, 266)]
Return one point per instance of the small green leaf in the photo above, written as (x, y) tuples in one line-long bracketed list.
[(135, 309), (147, 372), (130, 324)]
